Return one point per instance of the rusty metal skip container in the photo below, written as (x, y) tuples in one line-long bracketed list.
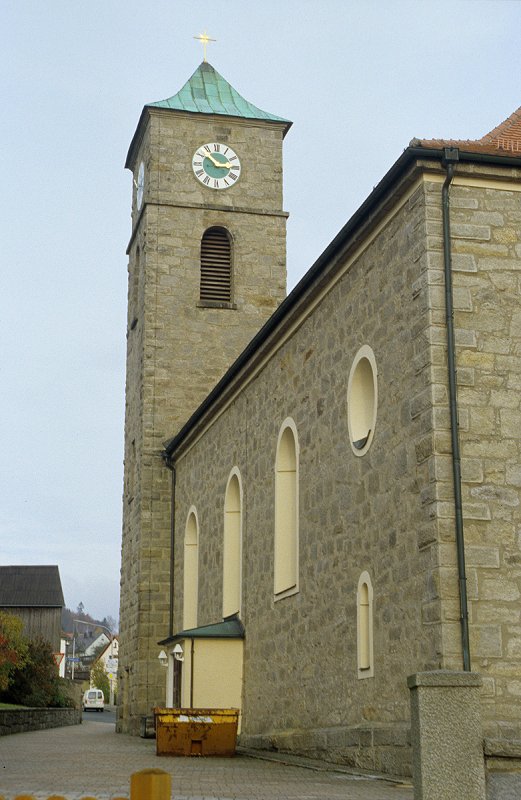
[(196, 731)]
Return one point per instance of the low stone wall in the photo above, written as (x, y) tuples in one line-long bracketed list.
[(377, 748), (19, 720)]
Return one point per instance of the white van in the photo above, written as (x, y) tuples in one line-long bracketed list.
[(93, 699)]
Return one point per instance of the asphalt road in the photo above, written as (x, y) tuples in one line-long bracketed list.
[(107, 715)]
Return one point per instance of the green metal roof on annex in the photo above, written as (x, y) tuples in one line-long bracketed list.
[(229, 628), (207, 92)]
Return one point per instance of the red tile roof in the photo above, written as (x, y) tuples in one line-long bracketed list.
[(505, 138)]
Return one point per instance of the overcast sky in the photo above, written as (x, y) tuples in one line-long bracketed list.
[(358, 79)]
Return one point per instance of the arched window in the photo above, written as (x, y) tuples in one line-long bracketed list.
[(364, 626), (133, 290), (216, 267), (191, 571), (286, 511), (232, 546)]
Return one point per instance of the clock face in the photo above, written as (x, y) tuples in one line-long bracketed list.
[(140, 185), (216, 165)]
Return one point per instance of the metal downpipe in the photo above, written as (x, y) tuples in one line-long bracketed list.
[(451, 157), (171, 467)]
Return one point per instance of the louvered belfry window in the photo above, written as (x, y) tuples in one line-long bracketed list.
[(216, 266)]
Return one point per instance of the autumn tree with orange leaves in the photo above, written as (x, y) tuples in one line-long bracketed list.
[(13, 647)]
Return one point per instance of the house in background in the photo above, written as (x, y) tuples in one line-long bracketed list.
[(109, 653), (34, 593), (97, 647), (94, 648), (108, 657), (89, 645)]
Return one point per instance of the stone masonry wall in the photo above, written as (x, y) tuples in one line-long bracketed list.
[(371, 513), (178, 350), (37, 719), (486, 242)]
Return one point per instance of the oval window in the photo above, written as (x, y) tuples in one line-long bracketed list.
[(362, 399)]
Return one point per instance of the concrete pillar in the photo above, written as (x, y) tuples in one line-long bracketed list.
[(446, 734)]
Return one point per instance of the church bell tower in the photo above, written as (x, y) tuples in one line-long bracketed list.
[(207, 267)]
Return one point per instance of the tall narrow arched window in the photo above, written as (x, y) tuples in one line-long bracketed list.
[(191, 571), (286, 511), (364, 626), (133, 290), (232, 546), (216, 267)]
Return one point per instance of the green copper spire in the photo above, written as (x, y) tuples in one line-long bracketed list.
[(207, 92)]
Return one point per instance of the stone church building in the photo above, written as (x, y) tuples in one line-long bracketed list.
[(322, 491)]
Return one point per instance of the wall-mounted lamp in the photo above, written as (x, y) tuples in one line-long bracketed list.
[(177, 653), (163, 658)]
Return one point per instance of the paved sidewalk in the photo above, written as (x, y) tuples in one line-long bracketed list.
[(92, 759)]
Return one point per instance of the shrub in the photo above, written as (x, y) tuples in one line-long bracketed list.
[(37, 683), (13, 647)]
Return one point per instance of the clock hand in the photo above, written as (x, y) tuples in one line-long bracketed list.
[(222, 164), (212, 159)]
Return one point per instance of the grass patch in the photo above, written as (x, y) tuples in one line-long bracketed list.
[(10, 705)]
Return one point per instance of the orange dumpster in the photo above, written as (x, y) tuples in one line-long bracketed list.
[(196, 731)]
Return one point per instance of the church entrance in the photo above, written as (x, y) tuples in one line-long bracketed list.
[(176, 683)]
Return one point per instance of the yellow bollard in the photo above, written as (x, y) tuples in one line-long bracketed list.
[(150, 784)]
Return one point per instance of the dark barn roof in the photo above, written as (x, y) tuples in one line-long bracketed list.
[(31, 587)]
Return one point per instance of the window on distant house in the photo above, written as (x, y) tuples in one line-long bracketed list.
[(286, 511)]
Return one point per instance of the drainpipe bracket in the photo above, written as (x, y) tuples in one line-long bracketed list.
[(450, 155)]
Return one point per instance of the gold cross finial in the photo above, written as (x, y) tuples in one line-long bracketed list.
[(204, 38)]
